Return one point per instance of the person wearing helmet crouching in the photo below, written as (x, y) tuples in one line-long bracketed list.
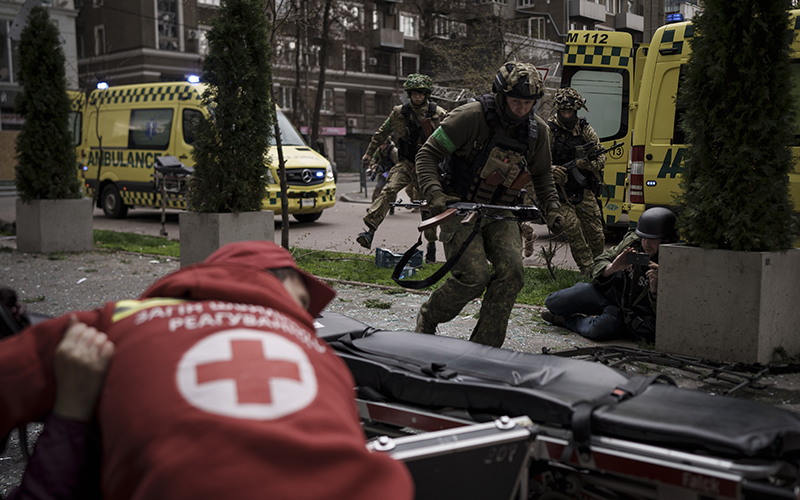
[(621, 299), (489, 149), (575, 139), (413, 122)]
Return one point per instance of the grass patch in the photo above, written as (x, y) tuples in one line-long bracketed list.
[(6, 249), (347, 266), (138, 243), (377, 304)]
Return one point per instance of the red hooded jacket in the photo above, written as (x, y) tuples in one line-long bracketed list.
[(219, 388)]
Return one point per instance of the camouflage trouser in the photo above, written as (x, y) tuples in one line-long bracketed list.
[(583, 225), (498, 242), (401, 176)]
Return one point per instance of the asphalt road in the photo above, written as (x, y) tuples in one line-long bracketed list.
[(336, 230)]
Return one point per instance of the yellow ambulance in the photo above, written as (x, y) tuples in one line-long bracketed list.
[(126, 128), (642, 98)]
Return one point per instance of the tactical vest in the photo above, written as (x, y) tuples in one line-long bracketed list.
[(495, 171), (567, 147), (417, 131)]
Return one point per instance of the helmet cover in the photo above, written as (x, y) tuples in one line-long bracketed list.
[(569, 98), (419, 83), (519, 80)]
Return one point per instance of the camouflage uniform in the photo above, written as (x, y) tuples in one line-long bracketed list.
[(583, 219), (403, 173), (383, 161), (498, 241)]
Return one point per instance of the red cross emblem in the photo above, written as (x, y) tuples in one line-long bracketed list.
[(247, 374), (251, 371)]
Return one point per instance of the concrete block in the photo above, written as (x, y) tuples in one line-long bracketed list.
[(47, 226), (728, 306), (203, 233)]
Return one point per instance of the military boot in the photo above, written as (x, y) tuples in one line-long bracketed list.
[(365, 239), (424, 326), (548, 316), (430, 253)]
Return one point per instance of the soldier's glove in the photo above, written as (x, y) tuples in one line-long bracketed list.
[(555, 221), (559, 174), (365, 161), (438, 201), (584, 164), (594, 153)]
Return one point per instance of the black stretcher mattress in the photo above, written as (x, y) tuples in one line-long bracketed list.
[(439, 372)]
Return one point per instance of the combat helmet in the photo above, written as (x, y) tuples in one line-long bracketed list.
[(657, 223), (520, 80), (419, 83), (569, 98)]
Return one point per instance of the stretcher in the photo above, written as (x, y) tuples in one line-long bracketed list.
[(473, 421)]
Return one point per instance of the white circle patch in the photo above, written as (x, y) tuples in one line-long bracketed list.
[(247, 374)]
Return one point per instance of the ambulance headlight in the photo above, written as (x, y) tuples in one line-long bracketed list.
[(328, 173)]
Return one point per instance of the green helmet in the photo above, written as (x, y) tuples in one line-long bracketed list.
[(520, 80), (569, 98), (419, 83)]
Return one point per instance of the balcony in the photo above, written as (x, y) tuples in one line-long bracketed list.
[(587, 10), (388, 39), (629, 22)]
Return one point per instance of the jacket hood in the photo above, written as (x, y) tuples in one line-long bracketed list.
[(237, 272)]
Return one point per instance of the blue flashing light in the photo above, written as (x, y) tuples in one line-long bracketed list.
[(674, 18), (319, 174), (193, 79), (102, 85)]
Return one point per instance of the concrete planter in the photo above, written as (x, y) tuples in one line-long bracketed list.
[(728, 306), (204, 233), (47, 226)]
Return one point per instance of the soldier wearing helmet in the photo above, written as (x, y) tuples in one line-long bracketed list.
[(575, 139), (413, 122), (488, 150), (621, 299)]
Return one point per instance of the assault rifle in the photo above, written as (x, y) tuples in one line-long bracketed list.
[(470, 210), (597, 150)]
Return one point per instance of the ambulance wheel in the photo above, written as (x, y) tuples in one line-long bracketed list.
[(113, 207), (307, 217)]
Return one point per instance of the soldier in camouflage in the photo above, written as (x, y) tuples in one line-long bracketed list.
[(489, 149), (384, 159), (413, 123), (573, 138)]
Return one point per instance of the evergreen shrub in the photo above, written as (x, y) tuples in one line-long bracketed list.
[(45, 147), (230, 173), (739, 120)]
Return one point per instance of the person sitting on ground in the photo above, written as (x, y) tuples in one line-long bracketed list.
[(219, 388), (621, 299), (65, 463)]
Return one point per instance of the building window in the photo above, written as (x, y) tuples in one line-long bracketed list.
[(167, 24), (536, 26), (444, 27), (525, 3), (354, 60), (312, 56), (9, 54), (99, 40), (383, 104), (383, 64), (377, 19), (409, 25), (284, 97), (215, 3), (327, 101), (492, 1), (202, 40), (410, 64), (354, 102), (285, 52)]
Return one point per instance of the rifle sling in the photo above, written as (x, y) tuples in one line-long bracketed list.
[(430, 280)]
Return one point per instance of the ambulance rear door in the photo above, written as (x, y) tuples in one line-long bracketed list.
[(599, 65)]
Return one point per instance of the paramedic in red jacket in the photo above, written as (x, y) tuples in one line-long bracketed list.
[(219, 388)]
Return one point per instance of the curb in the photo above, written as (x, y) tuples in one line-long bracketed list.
[(355, 198)]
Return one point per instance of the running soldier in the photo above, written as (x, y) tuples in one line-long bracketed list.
[(383, 160), (413, 122), (492, 147), (574, 138)]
